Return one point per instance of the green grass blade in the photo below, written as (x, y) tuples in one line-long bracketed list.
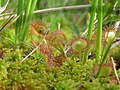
[(91, 24), (76, 30), (105, 54), (28, 16), (20, 19), (99, 31)]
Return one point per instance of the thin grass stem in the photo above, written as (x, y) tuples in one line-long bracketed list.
[(28, 16), (20, 19), (91, 24), (105, 54), (99, 32)]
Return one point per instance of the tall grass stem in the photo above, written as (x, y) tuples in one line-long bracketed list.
[(91, 24), (99, 32), (28, 17), (19, 21)]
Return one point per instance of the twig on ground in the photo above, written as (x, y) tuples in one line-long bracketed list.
[(62, 8), (4, 7), (115, 71), (34, 48), (7, 15)]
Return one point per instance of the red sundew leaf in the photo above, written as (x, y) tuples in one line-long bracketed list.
[(2, 53), (45, 50), (32, 30), (78, 43), (34, 43), (106, 70), (110, 65), (58, 60), (38, 27), (56, 37), (49, 61)]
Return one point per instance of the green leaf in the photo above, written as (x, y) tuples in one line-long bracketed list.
[(76, 30)]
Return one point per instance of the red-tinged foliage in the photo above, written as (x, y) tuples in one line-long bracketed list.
[(47, 51), (56, 38), (107, 65), (2, 53), (38, 28), (117, 66), (58, 60), (110, 65), (110, 71), (49, 61), (34, 43), (104, 35)]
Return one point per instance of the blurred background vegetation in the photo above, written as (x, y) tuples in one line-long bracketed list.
[(68, 19)]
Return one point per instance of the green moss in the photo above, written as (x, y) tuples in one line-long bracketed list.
[(115, 52)]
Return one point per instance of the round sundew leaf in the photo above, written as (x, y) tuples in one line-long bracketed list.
[(79, 44), (39, 27)]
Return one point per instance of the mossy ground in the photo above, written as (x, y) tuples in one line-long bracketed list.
[(35, 74)]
